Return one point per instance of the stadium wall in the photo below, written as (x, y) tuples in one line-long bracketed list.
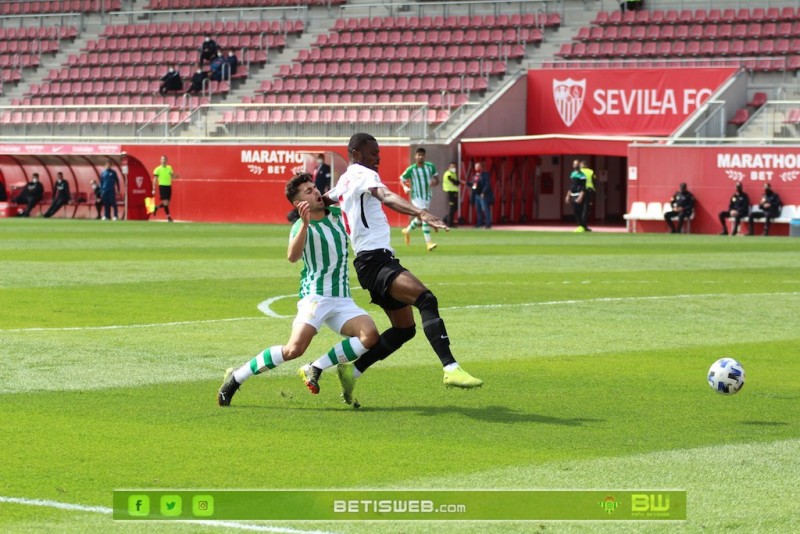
[(214, 183), (711, 173)]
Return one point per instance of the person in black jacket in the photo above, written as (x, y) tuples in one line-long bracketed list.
[(60, 195), (682, 207), (576, 195), (322, 175), (197, 82), (738, 208), (30, 196), (171, 81), (231, 65), (769, 208), (208, 50), (98, 198)]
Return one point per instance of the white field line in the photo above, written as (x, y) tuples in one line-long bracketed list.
[(265, 308), (104, 510)]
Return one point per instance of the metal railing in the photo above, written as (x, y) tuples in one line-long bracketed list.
[(466, 7), (214, 122)]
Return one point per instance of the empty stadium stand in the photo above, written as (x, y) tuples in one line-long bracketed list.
[(760, 39), (199, 4), (438, 61), (39, 7)]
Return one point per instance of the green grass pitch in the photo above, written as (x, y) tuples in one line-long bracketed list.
[(593, 347)]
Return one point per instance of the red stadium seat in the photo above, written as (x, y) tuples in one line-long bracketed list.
[(601, 18), (729, 15), (697, 31), (773, 14), (759, 99), (741, 117), (793, 116), (724, 31)]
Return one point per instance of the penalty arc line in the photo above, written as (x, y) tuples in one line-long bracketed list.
[(266, 309), (104, 510)]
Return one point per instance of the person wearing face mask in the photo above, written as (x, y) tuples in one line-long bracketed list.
[(682, 207), (769, 208), (322, 176), (197, 82), (61, 195), (171, 81), (738, 208), (208, 50), (450, 185), (216, 66), (231, 65), (31, 195)]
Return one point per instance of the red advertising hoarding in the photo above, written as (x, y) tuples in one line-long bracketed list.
[(617, 101), (711, 173), (244, 183)]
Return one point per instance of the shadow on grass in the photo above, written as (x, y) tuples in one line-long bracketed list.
[(488, 414), (765, 423)]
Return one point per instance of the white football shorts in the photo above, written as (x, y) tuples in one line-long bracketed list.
[(421, 203), (334, 312)]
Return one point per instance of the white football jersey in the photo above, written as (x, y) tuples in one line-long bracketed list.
[(364, 219)]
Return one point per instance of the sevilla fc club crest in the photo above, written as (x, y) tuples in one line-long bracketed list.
[(568, 95), (139, 181)]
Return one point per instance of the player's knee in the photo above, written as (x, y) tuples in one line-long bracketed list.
[(427, 301), (292, 351), (405, 334), (369, 338)]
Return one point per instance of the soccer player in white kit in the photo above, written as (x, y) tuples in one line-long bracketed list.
[(362, 195), (319, 238)]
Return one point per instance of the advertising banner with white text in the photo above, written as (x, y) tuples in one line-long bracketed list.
[(617, 101)]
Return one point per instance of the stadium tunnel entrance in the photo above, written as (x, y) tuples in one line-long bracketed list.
[(530, 176), (80, 164)]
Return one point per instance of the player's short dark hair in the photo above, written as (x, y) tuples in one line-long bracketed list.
[(357, 142), (420, 150), (293, 185)]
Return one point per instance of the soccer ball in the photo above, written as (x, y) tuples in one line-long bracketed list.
[(726, 376)]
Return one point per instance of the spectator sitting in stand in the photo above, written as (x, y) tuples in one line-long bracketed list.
[(171, 81), (215, 69), (232, 63), (197, 82), (208, 50)]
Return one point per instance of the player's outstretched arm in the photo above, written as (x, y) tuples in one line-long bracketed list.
[(401, 205)]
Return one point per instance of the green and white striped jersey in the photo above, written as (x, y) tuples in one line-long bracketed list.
[(325, 269), (420, 178)]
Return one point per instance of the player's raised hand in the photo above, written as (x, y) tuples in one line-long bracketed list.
[(433, 220), (304, 210)]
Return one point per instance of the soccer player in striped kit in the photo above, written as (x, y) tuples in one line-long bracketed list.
[(319, 238), (418, 181)]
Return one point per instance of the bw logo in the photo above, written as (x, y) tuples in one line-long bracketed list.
[(649, 502)]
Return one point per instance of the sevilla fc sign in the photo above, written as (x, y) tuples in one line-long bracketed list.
[(617, 102)]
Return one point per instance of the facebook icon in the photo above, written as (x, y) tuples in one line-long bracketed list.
[(138, 505)]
